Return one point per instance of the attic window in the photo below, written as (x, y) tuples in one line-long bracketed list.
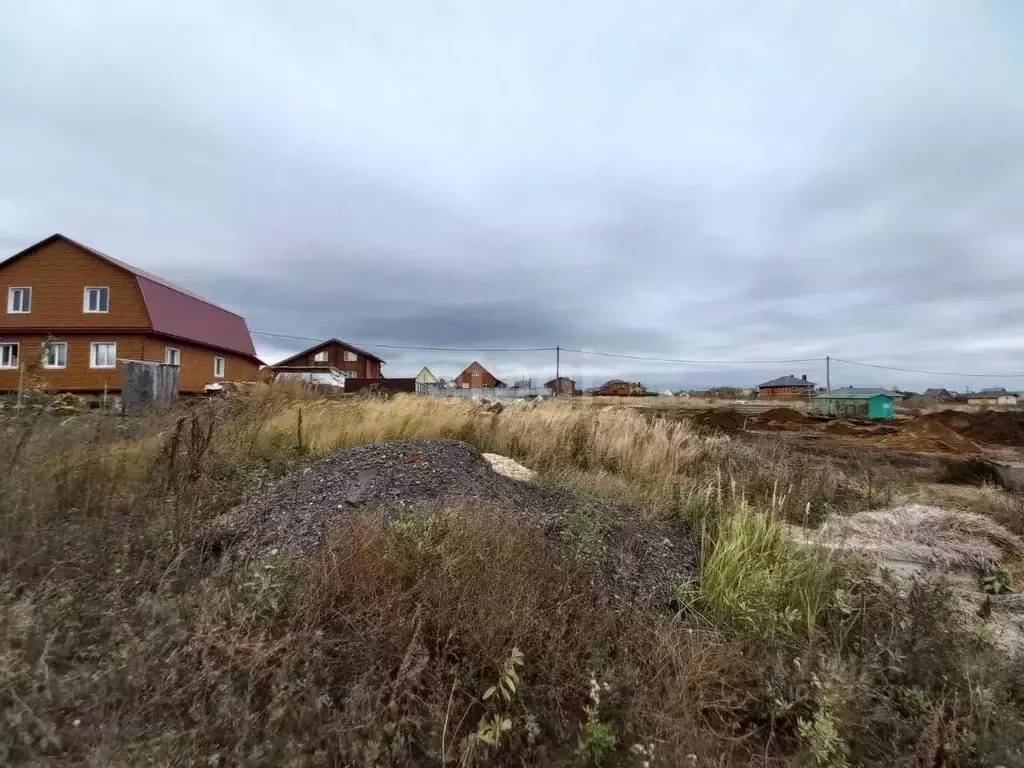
[(19, 300), (320, 357), (350, 357), (97, 299)]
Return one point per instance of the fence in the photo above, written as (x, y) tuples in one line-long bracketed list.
[(354, 385), (492, 392), (145, 383)]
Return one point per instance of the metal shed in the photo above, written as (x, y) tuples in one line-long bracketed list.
[(854, 405)]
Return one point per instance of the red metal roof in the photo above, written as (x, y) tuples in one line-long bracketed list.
[(173, 310)]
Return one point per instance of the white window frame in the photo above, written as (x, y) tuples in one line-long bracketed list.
[(321, 357), (167, 356), (85, 300), (350, 357), (16, 356), (10, 299), (220, 367), (47, 346), (92, 354)]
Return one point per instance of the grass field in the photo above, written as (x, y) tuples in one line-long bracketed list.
[(127, 638)]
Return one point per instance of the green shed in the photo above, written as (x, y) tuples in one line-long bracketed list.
[(854, 405)]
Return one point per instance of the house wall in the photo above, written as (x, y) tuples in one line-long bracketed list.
[(561, 386), (781, 393), (476, 377), (196, 362), (58, 274), (362, 367), (983, 400)]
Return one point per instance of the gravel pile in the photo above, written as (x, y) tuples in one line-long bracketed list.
[(638, 558)]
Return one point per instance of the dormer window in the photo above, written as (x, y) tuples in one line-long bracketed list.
[(97, 300), (19, 301)]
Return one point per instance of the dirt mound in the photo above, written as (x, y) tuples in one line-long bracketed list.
[(782, 417), (637, 558), (932, 437), (722, 419), (841, 428), (999, 427)]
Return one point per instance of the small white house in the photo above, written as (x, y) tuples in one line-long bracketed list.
[(425, 376)]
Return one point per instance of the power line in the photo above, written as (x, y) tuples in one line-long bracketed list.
[(650, 359), (931, 373), (695, 362), (400, 346)]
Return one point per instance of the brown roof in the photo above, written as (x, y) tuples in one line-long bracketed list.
[(173, 310), (327, 343)]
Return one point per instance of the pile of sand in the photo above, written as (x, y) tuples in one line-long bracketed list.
[(503, 465), (931, 437)]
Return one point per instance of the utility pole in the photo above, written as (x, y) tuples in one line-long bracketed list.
[(828, 373), (558, 364)]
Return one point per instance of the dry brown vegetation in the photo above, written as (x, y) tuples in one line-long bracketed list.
[(127, 638)]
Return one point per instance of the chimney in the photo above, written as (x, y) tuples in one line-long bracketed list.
[(804, 377)]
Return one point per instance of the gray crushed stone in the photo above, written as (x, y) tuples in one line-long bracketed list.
[(640, 559)]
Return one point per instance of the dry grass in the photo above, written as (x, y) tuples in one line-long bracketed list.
[(926, 535), (125, 640)]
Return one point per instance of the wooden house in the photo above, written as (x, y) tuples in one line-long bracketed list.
[(74, 313)]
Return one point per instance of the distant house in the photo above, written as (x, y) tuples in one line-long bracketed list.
[(477, 377), (785, 387), (993, 397), (891, 393), (73, 315), (620, 388), (347, 360), (939, 393), (425, 376), (563, 385)]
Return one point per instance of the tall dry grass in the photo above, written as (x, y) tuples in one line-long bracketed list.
[(126, 640)]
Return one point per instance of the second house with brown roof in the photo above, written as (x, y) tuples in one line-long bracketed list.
[(71, 314), (334, 354)]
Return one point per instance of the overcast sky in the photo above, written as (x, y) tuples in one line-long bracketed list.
[(700, 180)]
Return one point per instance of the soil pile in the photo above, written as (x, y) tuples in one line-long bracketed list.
[(999, 427), (721, 419), (782, 418), (841, 428), (930, 436), (637, 558)]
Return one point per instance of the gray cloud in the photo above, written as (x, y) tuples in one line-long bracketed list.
[(712, 181)]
